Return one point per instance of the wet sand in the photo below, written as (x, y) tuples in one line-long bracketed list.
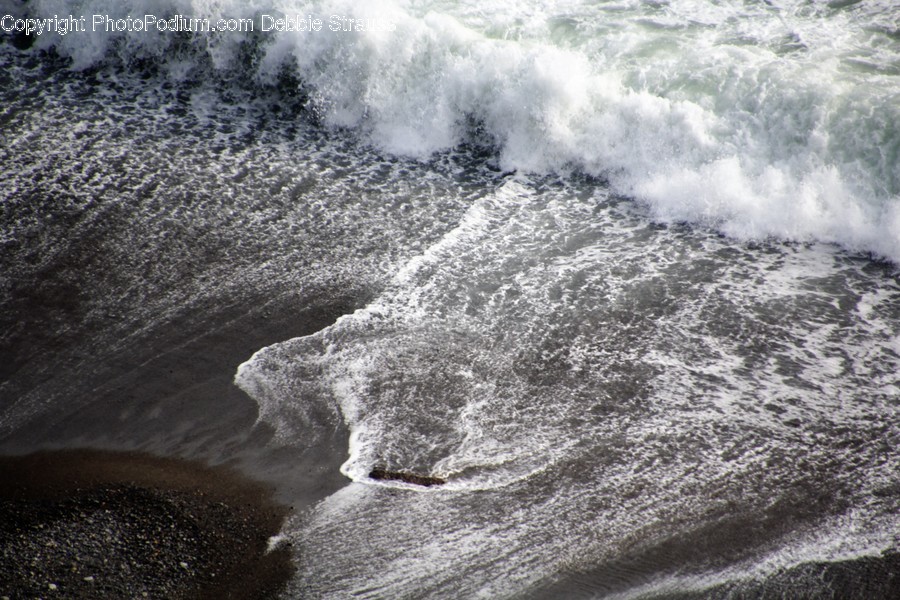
[(91, 524), (112, 494)]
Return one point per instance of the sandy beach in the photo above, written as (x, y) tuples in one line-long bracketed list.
[(120, 503), (89, 524)]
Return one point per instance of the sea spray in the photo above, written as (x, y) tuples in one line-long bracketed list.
[(759, 121)]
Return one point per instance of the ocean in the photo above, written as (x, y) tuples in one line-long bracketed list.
[(622, 275)]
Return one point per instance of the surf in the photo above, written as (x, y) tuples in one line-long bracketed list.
[(771, 121)]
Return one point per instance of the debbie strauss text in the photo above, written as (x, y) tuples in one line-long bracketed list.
[(334, 23)]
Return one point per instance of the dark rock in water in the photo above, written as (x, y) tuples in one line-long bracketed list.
[(423, 480)]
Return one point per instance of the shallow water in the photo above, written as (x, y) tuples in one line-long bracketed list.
[(597, 389), (577, 260)]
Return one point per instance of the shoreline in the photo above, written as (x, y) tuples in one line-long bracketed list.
[(108, 488), (89, 523)]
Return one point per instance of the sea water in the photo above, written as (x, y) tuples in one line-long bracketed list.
[(627, 269)]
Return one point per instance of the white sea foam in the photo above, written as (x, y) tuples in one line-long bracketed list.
[(590, 388), (758, 120)]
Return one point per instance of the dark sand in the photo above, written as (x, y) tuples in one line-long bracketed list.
[(88, 524), (122, 522)]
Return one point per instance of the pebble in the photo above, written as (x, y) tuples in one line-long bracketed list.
[(132, 550)]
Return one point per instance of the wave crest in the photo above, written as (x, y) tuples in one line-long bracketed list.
[(771, 122)]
